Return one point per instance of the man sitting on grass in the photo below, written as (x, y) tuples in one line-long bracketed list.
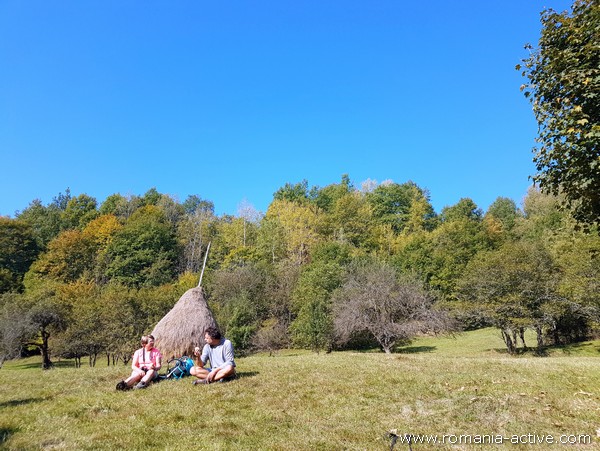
[(219, 351)]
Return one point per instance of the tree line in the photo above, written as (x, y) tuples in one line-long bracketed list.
[(323, 268)]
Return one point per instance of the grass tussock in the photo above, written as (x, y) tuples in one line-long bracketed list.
[(297, 400)]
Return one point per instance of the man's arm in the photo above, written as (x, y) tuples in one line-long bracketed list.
[(199, 357)]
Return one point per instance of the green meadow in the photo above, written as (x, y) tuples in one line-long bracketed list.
[(465, 390)]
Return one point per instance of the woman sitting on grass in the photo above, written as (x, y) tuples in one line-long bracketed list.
[(145, 365)]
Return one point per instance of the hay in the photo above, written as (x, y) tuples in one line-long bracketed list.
[(183, 327)]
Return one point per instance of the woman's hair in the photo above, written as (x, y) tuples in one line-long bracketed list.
[(213, 333), (147, 338)]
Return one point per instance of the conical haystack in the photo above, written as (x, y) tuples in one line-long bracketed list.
[(183, 327)]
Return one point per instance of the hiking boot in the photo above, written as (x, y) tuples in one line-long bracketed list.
[(140, 385), (200, 382), (122, 386)]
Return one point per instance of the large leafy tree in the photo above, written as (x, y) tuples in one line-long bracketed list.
[(392, 204), (514, 287), (144, 252), (18, 250), (564, 87)]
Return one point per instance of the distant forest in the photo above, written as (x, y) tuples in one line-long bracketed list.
[(324, 268)]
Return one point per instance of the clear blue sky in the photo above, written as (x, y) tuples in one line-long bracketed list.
[(229, 100)]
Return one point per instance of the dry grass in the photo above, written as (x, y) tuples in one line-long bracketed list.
[(298, 400)]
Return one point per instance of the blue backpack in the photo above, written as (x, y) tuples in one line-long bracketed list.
[(178, 368)]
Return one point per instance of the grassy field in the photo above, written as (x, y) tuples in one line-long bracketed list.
[(298, 400)]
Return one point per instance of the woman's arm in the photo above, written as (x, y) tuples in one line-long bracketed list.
[(158, 362), (135, 363)]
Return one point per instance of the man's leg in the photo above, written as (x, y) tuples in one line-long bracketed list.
[(199, 372), (222, 373)]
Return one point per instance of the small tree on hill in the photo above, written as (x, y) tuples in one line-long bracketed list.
[(391, 308)]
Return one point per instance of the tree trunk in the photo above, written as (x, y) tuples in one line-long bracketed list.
[(522, 335), (506, 336), (46, 362), (540, 339)]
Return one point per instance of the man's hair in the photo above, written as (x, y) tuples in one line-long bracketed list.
[(213, 333)]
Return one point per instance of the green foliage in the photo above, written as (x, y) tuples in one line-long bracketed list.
[(79, 212), (465, 208), (270, 281), (313, 328), (504, 210), (563, 75), (514, 287), (325, 198), (393, 204), (293, 193), (45, 221), (18, 250), (144, 252)]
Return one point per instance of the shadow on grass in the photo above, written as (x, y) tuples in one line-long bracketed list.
[(38, 365), (583, 348), (6, 432), (573, 348), (20, 402), (415, 349), (245, 374)]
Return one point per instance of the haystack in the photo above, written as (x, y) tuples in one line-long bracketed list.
[(183, 327)]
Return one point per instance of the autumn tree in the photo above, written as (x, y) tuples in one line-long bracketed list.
[(299, 224), (563, 84)]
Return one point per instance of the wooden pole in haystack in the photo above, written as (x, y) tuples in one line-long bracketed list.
[(204, 264)]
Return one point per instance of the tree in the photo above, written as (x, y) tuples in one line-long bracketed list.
[(15, 326), (453, 244), (18, 250), (313, 326), (47, 316), (292, 193), (144, 252), (250, 216), (79, 212), (505, 211), (45, 221), (563, 85), (70, 256), (514, 287), (238, 297), (392, 204), (299, 224), (325, 198), (391, 308)]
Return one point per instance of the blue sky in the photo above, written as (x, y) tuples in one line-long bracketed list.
[(230, 100)]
